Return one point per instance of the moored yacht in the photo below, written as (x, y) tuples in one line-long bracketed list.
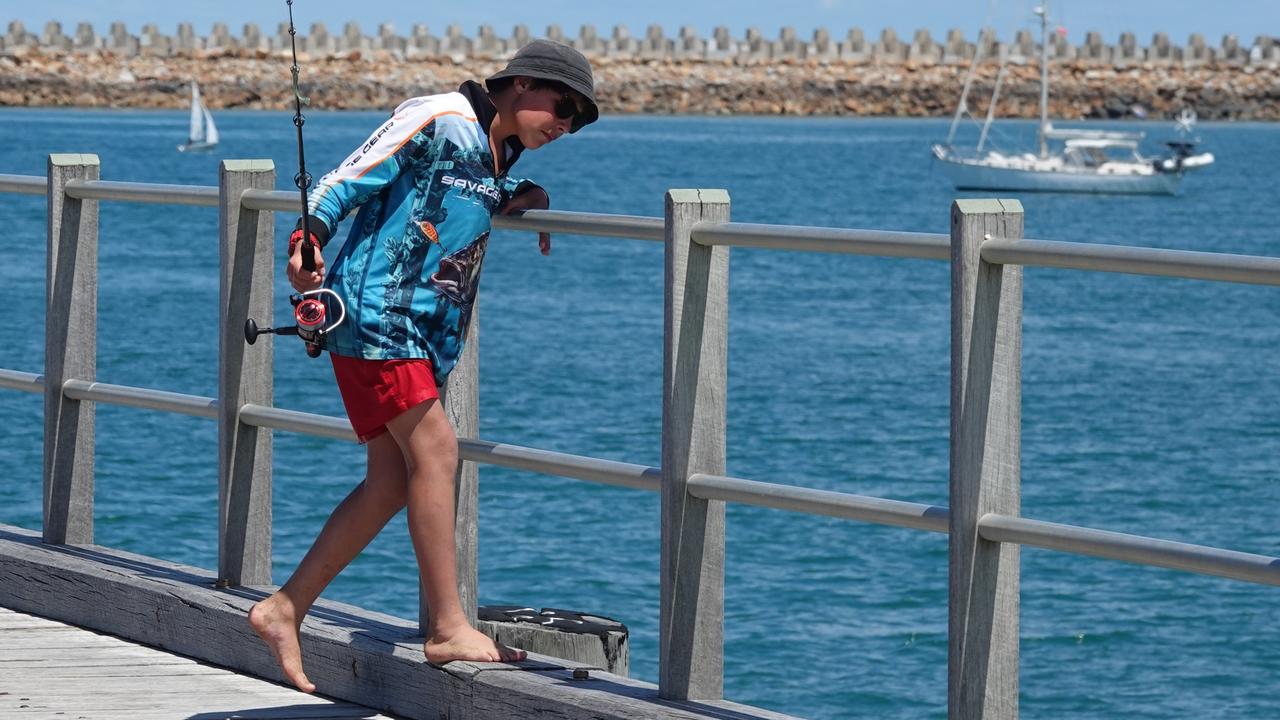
[(1097, 161)]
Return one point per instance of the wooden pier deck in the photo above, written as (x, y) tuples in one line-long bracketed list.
[(365, 658), (52, 670)]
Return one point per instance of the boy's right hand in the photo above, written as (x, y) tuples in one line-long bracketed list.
[(304, 280)]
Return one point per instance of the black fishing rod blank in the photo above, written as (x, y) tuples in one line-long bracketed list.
[(302, 179)]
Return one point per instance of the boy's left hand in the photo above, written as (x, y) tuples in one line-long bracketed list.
[(535, 198)]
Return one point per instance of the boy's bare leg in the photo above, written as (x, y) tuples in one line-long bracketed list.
[(353, 524), (431, 454)]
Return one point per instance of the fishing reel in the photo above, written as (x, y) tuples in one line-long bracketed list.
[(309, 314)]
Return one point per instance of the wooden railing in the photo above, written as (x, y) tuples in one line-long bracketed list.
[(987, 254)]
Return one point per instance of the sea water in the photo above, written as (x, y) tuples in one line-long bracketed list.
[(1150, 405)]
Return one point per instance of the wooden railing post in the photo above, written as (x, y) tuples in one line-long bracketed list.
[(694, 389), (248, 262), (70, 351), (986, 428), (461, 398)]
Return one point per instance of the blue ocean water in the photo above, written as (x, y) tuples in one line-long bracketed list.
[(1149, 405)]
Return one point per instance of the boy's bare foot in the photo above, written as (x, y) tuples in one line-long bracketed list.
[(467, 643), (276, 623)]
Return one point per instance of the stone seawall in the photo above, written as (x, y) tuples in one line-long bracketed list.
[(380, 80)]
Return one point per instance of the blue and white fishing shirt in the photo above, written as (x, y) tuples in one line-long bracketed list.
[(426, 189)]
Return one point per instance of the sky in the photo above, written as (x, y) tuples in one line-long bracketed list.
[(1178, 18)]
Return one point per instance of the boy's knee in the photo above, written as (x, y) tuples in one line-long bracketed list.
[(447, 450), (436, 448), (443, 436)]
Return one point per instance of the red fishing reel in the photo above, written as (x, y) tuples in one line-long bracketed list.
[(310, 315)]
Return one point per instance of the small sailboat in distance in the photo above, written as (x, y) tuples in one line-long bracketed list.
[(203, 134)]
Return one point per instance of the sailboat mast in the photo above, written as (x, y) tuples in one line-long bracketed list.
[(1043, 10), (963, 106), (991, 108)]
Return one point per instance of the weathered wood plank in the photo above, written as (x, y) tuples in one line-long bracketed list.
[(244, 374), (91, 667), (192, 707), (67, 657), (283, 712), (59, 655), (286, 712), (461, 401), (20, 623), (359, 656), (9, 617), (60, 636), (193, 692), (70, 351), (62, 641), (691, 639), (986, 426), (292, 712), (17, 630)]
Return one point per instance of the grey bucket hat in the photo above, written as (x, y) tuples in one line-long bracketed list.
[(547, 60)]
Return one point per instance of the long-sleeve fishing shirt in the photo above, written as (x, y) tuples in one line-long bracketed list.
[(426, 188)]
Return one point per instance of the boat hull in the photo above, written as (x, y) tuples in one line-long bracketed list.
[(972, 176), (196, 147)]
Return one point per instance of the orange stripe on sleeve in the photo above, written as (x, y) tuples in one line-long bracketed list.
[(410, 137)]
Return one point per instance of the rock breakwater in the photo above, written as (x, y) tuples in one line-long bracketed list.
[(379, 81)]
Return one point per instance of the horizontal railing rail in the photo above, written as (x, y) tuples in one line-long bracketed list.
[(281, 200), (1220, 267), (21, 381), (142, 398), (635, 227), (881, 243), (1135, 549), (548, 462), (23, 184), (154, 193), (821, 502), (987, 255)]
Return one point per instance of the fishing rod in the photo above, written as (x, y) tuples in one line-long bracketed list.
[(309, 309), (302, 179)]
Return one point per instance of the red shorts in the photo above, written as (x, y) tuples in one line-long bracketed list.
[(376, 392)]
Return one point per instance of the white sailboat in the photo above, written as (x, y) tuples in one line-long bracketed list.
[(203, 134), (1092, 161)]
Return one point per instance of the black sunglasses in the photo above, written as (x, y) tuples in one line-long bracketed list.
[(566, 107)]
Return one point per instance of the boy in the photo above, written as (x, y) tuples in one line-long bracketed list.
[(427, 183)]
